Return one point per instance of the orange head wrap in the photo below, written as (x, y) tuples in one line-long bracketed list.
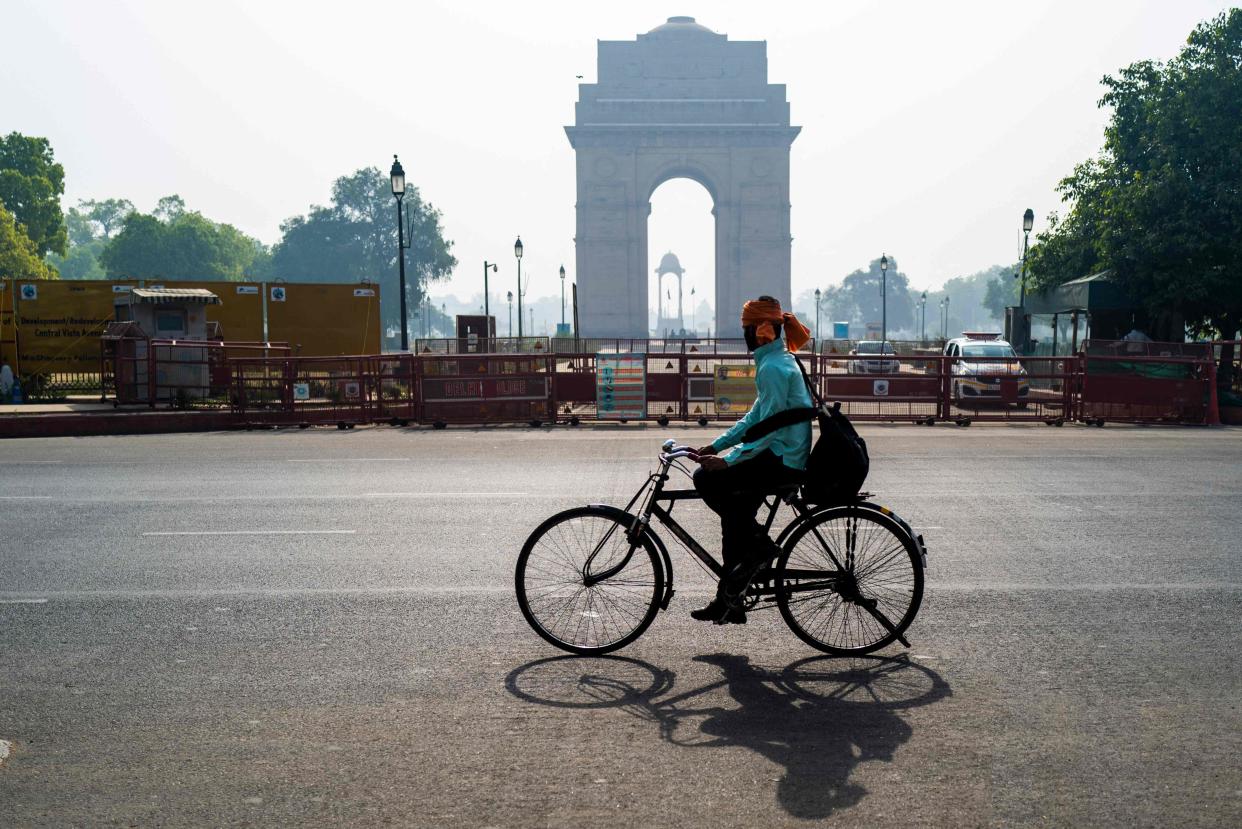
[(763, 314)]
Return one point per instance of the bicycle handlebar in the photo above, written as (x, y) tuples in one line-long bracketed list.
[(671, 451)]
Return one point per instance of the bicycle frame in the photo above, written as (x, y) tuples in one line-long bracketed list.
[(762, 587)]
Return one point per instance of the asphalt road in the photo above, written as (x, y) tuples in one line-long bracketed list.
[(318, 628)]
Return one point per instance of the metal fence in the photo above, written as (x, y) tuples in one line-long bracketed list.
[(690, 384)]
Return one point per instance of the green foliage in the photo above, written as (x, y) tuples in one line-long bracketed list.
[(355, 238), (1000, 289), (1162, 205), (31, 184), (19, 256), (858, 300), (90, 225), (100, 219), (976, 302), (174, 243)]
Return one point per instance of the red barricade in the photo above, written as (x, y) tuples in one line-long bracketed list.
[(696, 384), (1139, 389), (486, 389), (304, 390)]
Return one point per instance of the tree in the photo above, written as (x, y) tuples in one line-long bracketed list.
[(355, 238), (858, 300), (169, 208), (31, 184), (109, 215), (1002, 289), (19, 255), (180, 244), (90, 226), (1162, 204)]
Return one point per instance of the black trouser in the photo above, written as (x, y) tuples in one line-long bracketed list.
[(735, 494)]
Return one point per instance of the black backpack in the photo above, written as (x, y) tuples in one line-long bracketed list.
[(839, 462)]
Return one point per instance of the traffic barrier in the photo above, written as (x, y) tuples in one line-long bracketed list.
[(1141, 389), (490, 388), (691, 386), (304, 390), (1010, 389)]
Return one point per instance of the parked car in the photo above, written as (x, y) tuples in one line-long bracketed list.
[(979, 378), (877, 364)]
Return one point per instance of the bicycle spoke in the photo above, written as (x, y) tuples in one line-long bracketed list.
[(873, 597), (559, 601)]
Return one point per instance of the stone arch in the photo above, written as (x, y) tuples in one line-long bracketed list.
[(680, 102)]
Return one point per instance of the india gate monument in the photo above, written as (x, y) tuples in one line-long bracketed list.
[(680, 101)]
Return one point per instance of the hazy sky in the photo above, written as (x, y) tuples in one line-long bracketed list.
[(927, 127)]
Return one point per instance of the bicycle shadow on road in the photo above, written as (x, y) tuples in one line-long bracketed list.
[(817, 718)]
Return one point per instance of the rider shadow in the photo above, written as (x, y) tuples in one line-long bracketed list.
[(818, 718)]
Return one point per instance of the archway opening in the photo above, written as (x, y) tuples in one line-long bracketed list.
[(682, 223)]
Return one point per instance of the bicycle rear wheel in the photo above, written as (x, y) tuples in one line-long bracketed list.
[(557, 587), (849, 581)]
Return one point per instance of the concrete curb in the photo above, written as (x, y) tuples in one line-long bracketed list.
[(115, 423)]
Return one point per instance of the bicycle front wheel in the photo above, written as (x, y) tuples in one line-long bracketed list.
[(582, 586), (849, 581)]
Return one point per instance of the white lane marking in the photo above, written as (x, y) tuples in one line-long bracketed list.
[(345, 460), (5, 745), (25, 497), (23, 601), (451, 495), (919, 527), (256, 532)]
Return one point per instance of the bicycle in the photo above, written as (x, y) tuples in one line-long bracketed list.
[(848, 578)]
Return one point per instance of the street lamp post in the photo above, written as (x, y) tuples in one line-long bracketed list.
[(487, 308), (562, 297), (397, 178), (1028, 222), (517, 253), (883, 300), (510, 314), (817, 317), (942, 318), (923, 324)]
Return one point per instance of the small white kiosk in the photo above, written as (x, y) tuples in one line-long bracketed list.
[(169, 316)]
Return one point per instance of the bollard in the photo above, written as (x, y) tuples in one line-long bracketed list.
[(1213, 412)]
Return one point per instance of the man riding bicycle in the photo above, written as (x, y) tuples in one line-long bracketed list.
[(735, 484)]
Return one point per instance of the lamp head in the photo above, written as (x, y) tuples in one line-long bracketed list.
[(562, 271), (397, 178), (883, 262), (1028, 220), (510, 296), (517, 248)]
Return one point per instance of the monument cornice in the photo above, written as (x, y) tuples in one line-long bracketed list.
[(690, 135)]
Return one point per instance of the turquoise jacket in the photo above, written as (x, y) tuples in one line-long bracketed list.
[(780, 385)]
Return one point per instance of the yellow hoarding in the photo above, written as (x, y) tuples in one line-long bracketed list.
[(8, 331), (735, 389), (58, 323), (53, 326), (324, 320), (240, 312)]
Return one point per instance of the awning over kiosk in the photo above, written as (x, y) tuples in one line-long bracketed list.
[(160, 296)]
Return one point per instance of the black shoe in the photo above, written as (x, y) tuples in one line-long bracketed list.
[(712, 612)]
